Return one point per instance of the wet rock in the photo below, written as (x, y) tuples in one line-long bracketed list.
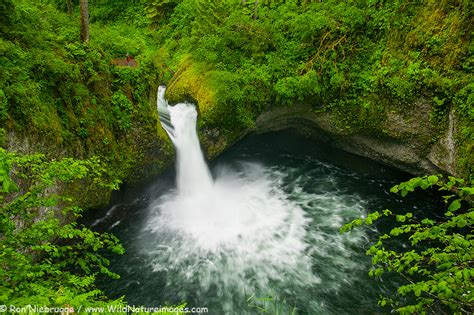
[(403, 139)]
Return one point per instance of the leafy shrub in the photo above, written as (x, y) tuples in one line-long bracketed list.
[(47, 258), (437, 263), (123, 109)]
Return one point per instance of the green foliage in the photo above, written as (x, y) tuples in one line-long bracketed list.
[(47, 258), (6, 6), (62, 94), (361, 59), (356, 58), (158, 10), (437, 261), (123, 109), (3, 106)]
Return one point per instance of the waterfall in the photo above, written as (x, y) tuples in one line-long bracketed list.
[(239, 233), (163, 112), (179, 121), (253, 230)]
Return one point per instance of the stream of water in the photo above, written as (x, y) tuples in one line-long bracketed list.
[(262, 222)]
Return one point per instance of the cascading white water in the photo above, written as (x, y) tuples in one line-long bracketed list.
[(269, 229), (239, 234), (193, 174), (235, 210)]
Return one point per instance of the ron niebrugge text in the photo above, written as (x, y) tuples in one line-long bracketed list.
[(107, 309)]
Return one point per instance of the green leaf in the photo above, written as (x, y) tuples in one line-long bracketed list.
[(455, 205), (395, 231), (433, 179), (468, 190), (424, 184), (400, 218), (461, 223)]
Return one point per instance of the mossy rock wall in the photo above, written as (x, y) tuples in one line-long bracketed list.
[(405, 138)]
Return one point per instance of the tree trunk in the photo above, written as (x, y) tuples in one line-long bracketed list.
[(84, 20), (255, 12), (69, 7)]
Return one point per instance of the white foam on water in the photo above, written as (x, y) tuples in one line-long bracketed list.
[(241, 233)]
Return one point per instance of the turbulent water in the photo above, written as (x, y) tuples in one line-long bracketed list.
[(264, 224), (237, 234)]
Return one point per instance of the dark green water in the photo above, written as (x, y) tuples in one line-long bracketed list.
[(289, 248)]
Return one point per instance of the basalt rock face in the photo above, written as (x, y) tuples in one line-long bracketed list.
[(406, 141), (444, 152)]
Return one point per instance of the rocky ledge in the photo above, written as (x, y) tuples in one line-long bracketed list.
[(407, 142)]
